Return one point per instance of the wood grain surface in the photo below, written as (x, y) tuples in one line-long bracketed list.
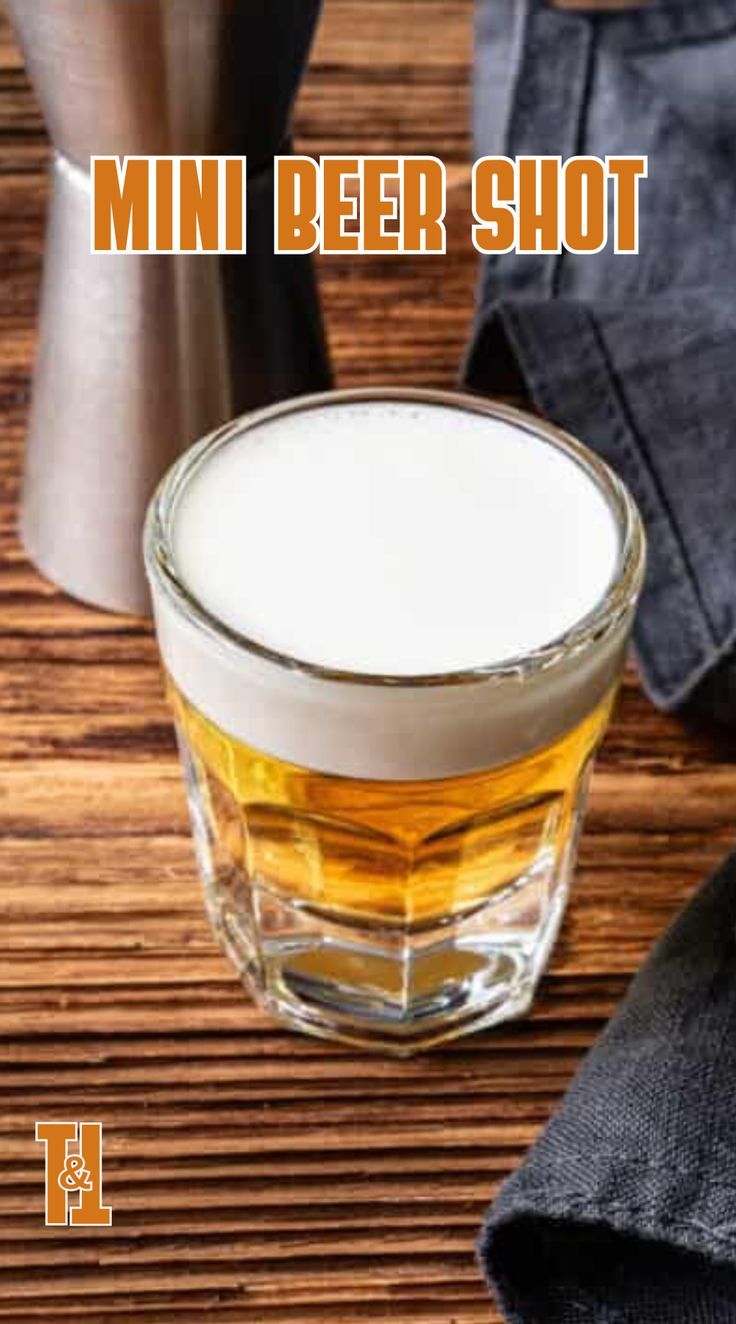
[(255, 1175)]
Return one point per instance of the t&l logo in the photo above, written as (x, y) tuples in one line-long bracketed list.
[(74, 1165)]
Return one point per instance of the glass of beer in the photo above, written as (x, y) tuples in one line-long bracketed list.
[(392, 622)]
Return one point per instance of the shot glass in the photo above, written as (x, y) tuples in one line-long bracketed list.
[(386, 858)]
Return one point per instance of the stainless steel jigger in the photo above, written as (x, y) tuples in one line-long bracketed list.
[(141, 354)]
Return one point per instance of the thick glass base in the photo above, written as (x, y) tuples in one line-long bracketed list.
[(396, 991)]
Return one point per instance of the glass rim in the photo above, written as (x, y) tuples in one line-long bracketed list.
[(591, 629)]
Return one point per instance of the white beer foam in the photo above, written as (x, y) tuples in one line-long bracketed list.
[(394, 538)]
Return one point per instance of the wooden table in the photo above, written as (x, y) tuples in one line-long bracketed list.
[(257, 1176)]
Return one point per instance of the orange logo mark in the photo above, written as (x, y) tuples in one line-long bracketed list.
[(78, 1171)]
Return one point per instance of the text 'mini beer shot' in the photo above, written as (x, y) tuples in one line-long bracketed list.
[(393, 623)]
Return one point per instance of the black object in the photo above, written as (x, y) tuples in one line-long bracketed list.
[(273, 302), (625, 1210), (634, 354)]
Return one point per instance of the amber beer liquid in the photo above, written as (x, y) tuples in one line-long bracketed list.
[(393, 624), (356, 850)]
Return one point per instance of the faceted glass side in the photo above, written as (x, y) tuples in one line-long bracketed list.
[(396, 914)]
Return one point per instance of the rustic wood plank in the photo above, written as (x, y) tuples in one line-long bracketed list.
[(256, 1176)]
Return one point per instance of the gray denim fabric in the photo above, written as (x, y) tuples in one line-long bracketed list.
[(625, 1210), (634, 354)]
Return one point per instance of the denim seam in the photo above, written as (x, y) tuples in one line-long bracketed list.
[(660, 26), (641, 450), (679, 42), (610, 400), (578, 122), (643, 1217), (571, 108), (487, 268)]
